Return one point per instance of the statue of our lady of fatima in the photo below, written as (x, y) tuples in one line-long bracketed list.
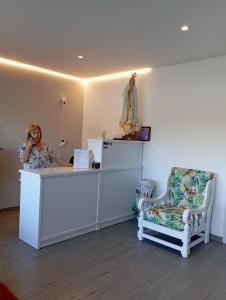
[(129, 120)]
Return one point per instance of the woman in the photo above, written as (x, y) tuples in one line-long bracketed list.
[(33, 153)]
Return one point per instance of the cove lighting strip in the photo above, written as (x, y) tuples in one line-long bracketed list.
[(24, 66), (117, 75), (20, 65)]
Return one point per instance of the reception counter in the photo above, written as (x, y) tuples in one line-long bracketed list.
[(60, 203)]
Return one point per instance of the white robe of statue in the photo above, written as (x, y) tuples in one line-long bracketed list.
[(129, 121)]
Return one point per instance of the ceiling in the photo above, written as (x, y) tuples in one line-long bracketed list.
[(113, 35)]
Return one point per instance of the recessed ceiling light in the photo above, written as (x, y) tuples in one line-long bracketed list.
[(80, 57), (184, 28)]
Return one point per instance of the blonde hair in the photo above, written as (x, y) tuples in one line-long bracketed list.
[(29, 129)]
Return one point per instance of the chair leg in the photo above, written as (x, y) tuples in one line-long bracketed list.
[(140, 230), (139, 235), (185, 250), (207, 236)]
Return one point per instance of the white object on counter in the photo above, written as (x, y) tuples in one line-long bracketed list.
[(81, 159)]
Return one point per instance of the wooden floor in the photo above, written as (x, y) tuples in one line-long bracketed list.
[(109, 264)]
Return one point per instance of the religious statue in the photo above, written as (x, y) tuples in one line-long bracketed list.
[(129, 120)]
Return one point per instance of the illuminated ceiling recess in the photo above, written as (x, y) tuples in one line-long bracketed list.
[(184, 28), (28, 67)]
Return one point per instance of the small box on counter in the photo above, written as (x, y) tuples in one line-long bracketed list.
[(95, 165)]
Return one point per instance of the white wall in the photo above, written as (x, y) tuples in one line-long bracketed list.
[(185, 105), (27, 97)]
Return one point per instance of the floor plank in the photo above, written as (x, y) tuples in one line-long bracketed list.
[(109, 264)]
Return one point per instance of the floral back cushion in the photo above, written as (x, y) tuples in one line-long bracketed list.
[(187, 186)]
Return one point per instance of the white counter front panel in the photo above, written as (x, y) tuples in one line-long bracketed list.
[(29, 223), (69, 202), (118, 195)]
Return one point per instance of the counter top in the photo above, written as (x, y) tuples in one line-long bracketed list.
[(45, 172), (65, 171)]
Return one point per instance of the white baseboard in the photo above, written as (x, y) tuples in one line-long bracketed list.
[(216, 238), (55, 238), (115, 220)]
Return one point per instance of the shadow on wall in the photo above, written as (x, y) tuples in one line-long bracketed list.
[(9, 178)]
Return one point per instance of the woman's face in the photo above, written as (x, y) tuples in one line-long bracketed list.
[(36, 135)]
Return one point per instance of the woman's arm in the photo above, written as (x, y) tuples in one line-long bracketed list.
[(26, 153)]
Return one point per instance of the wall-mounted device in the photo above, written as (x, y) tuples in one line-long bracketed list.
[(63, 100), (62, 143)]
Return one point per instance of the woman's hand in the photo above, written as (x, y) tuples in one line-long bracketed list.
[(31, 142)]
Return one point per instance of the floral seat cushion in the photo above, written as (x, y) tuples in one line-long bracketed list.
[(168, 216)]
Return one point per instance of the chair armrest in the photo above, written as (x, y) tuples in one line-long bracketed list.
[(186, 218), (152, 201)]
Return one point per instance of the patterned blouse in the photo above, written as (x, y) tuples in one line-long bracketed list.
[(38, 158)]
